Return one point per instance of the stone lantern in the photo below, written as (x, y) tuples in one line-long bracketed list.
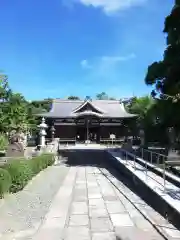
[(42, 132)]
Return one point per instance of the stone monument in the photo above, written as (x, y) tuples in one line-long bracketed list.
[(15, 148)]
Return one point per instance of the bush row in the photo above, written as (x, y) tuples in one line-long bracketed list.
[(3, 141), (15, 174)]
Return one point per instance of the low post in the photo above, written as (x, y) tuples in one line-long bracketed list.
[(126, 158), (135, 160), (151, 156), (142, 153), (52, 133), (164, 174), (158, 160), (146, 167)]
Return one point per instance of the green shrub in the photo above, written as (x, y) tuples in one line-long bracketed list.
[(5, 182), (48, 158), (3, 141), (41, 162), (20, 172)]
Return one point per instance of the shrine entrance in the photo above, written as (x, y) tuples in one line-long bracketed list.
[(88, 129), (92, 134)]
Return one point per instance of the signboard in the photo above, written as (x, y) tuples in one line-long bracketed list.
[(112, 136)]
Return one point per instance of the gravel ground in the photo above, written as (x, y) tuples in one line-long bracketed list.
[(25, 210)]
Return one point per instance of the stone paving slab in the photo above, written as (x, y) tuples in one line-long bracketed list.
[(60, 205), (133, 233), (97, 218), (104, 236), (22, 213), (77, 233), (89, 207), (136, 206), (79, 220)]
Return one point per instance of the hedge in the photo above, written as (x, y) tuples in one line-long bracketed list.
[(22, 170), (41, 162), (3, 141), (5, 182)]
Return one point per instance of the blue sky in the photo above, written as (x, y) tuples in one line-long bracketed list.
[(57, 48)]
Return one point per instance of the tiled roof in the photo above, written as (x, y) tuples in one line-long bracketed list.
[(69, 108)]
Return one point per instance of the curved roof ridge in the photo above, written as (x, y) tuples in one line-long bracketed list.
[(88, 113), (91, 103)]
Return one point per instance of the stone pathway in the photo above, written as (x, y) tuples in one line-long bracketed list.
[(22, 213), (90, 204), (89, 207)]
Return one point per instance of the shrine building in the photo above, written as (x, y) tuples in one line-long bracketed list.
[(88, 120)]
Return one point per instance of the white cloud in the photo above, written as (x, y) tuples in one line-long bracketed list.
[(106, 67), (116, 59), (85, 64), (106, 61), (112, 6)]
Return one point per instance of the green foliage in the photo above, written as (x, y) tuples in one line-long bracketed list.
[(20, 172), (5, 90), (149, 113), (41, 162), (104, 96), (142, 107), (16, 112), (73, 98), (165, 74), (37, 107), (13, 108), (3, 141), (41, 106), (5, 182)]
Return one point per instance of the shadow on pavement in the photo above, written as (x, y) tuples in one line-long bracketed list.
[(101, 159), (94, 158)]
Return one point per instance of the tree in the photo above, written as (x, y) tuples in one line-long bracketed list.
[(104, 96), (73, 98), (15, 114), (141, 106), (150, 112), (165, 74), (5, 91), (36, 107)]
